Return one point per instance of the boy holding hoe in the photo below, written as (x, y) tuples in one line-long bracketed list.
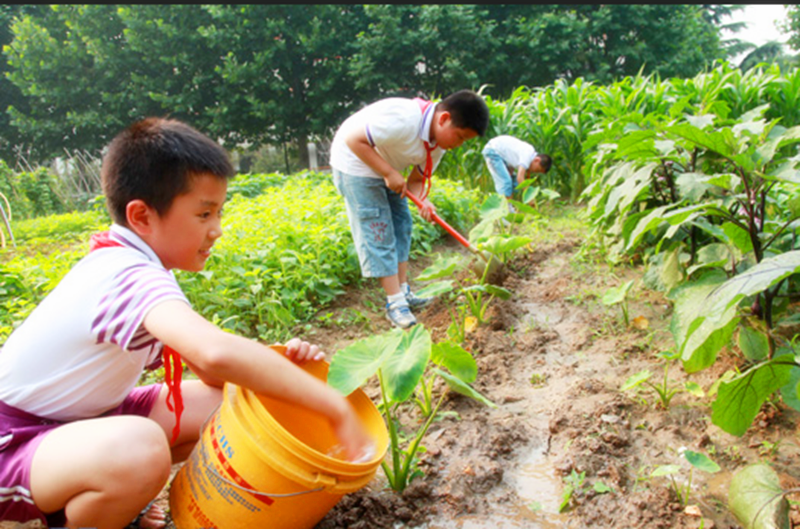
[(80, 445), (504, 152), (368, 153)]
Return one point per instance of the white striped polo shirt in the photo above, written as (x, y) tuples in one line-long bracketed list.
[(83, 349), (396, 127)]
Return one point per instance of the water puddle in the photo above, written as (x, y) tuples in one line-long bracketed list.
[(538, 488)]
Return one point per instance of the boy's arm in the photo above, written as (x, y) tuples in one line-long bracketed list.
[(359, 144), (416, 185), (522, 172), (217, 356)]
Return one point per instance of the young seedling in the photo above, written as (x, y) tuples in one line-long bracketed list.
[(664, 390), (619, 296), (696, 460), (401, 359)]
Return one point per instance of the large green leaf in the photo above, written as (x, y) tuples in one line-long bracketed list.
[(753, 281), (456, 359), (753, 343), (441, 267), (659, 215), (404, 368), (502, 245), (756, 499), (461, 387), (791, 391), (720, 141), (739, 400), (352, 366), (692, 186), (636, 182), (435, 289), (698, 337)]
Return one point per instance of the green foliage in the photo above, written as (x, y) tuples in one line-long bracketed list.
[(286, 253), (46, 248), (283, 74), (757, 500), (696, 460), (31, 193), (400, 359), (665, 390)]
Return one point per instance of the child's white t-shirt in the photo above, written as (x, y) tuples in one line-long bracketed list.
[(396, 127), (515, 152), (83, 349)]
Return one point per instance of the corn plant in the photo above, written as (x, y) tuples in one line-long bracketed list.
[(401, 360)]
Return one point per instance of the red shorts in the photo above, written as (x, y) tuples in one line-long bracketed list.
[(20, 435)]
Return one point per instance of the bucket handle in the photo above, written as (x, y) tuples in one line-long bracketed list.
[(258, 493), (251, 491)]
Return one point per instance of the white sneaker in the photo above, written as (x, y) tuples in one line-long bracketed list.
[(400, 315)]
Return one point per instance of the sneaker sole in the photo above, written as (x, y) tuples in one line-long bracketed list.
[(399, 326)]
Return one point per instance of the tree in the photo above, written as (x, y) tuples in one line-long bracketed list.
[(87, 71), (241, 73), (422, 49), (283, 74), (10, 95), (792, 26)]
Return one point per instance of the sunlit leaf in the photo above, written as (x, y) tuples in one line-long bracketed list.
[(636, 380), (404, 368), (456, 359), (701, 462), (461, 387), (441, 267), (352, 366), (435, 289), (739, 400), (756, 498), (665, 470)]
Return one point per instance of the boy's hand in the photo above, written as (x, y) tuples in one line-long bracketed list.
[(395, 182), (427, 210), (300, 352), (358, 445)]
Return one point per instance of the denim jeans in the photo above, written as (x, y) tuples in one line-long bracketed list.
[(380, 223), (504, 182)]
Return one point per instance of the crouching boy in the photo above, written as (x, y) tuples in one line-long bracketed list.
[(80, 444)]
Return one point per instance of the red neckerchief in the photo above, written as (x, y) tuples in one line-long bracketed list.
[(427, 175), (173, 367)]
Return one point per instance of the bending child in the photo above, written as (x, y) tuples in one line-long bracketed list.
[(502, 153), (80, 444), (370, 150)]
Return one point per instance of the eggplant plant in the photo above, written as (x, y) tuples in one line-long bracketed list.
[(713, 205), (402, 360)]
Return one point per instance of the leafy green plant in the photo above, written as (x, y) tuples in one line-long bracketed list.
[(696, 460), (572, 484), (756, 498), (619, 296), (665, 390), (401, 359)]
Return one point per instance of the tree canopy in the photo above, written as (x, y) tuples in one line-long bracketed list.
[(273, 74)]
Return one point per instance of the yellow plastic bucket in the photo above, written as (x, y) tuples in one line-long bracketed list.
[(263, 463)]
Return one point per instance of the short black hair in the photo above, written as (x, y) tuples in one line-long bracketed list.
[(545, 160), (468, 110), (154, 160)]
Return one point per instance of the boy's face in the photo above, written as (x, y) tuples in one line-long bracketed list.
[(536, 166), (183, 237), (448, 136)]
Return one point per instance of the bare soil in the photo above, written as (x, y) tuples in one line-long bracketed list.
[(553, 359)]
